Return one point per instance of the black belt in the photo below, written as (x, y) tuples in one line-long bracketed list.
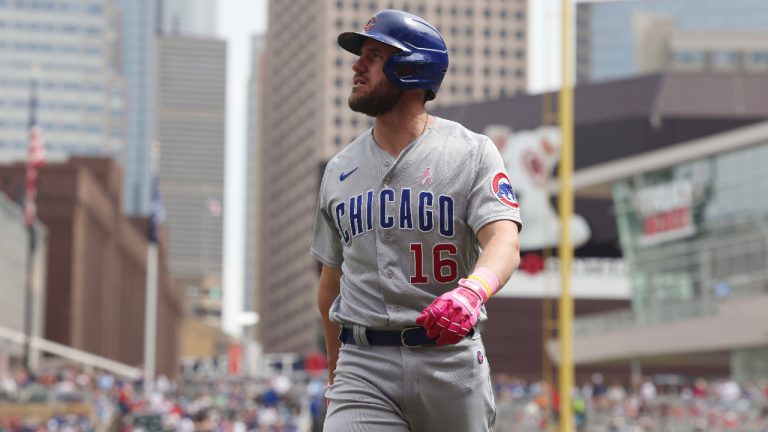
[(410, 337)]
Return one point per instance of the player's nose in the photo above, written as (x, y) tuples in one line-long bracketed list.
[(359, 65)]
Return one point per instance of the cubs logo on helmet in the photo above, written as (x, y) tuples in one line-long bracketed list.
[(502, 189), (370, 24)]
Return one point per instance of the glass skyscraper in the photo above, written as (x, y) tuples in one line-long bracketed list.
[(138, 59), (80, 94), (605, 37)]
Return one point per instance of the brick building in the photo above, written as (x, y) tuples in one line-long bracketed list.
[(97, 263)]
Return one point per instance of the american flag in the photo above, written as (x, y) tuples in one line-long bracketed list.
[(157, 211), (35, 157)]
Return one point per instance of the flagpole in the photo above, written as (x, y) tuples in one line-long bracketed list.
[(28, 296), (34, 161), (157, 216), (150, 323)]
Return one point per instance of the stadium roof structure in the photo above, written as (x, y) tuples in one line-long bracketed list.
[(686, 94)]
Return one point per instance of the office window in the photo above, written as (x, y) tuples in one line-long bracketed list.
[(759, 57), (757, 60), (688, 59), (724, 60)]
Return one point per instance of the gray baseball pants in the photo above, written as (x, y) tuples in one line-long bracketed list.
[(399, 389)]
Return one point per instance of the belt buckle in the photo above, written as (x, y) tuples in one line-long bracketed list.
[(402, 337)]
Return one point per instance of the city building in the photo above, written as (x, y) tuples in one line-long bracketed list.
[(187, 17), (97, 263), (645, 222), (612, 38), (141, 22), (138, 65), (190, 132), (724, 51), (308, 81), (70, 46)]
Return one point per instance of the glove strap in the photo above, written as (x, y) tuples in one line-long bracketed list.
[(487, 279)]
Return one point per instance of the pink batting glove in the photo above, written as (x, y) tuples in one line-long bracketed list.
[(452, 316)]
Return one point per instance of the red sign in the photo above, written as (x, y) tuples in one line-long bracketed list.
[(235, 356)]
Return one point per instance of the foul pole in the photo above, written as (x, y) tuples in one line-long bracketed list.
[(565, 204)]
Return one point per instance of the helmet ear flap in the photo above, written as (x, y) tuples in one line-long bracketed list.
[(410, 71), (404, 72)]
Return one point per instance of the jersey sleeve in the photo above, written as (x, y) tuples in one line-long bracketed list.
[(491, 195), (326, 244)]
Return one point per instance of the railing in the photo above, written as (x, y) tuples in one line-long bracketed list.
[(82, 357)]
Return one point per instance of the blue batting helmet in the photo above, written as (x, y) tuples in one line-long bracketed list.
[(423, 57)]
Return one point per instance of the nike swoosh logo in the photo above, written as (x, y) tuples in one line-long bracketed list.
[(344, 175)]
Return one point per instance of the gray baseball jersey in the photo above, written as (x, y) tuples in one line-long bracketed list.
[(403, 230)]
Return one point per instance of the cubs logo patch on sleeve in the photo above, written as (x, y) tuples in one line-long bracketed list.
[(502, 189)]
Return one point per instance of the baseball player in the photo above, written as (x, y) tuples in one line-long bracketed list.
[(402, 214)]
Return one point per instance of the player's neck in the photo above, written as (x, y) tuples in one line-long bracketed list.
[(398, 128)]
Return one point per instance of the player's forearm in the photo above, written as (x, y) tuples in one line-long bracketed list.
[(501, 249), (330, 330), (327, 292), (332, 345)]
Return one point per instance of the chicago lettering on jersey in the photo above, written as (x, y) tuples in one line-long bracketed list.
[(390, 209)]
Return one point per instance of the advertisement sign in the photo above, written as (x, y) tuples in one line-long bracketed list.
[(663, 206), (666, 210)]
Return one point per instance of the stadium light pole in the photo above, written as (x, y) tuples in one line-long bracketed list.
[(565, 205)]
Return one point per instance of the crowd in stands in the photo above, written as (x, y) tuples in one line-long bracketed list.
[(648, 405), (70, 399), (73, 400)]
